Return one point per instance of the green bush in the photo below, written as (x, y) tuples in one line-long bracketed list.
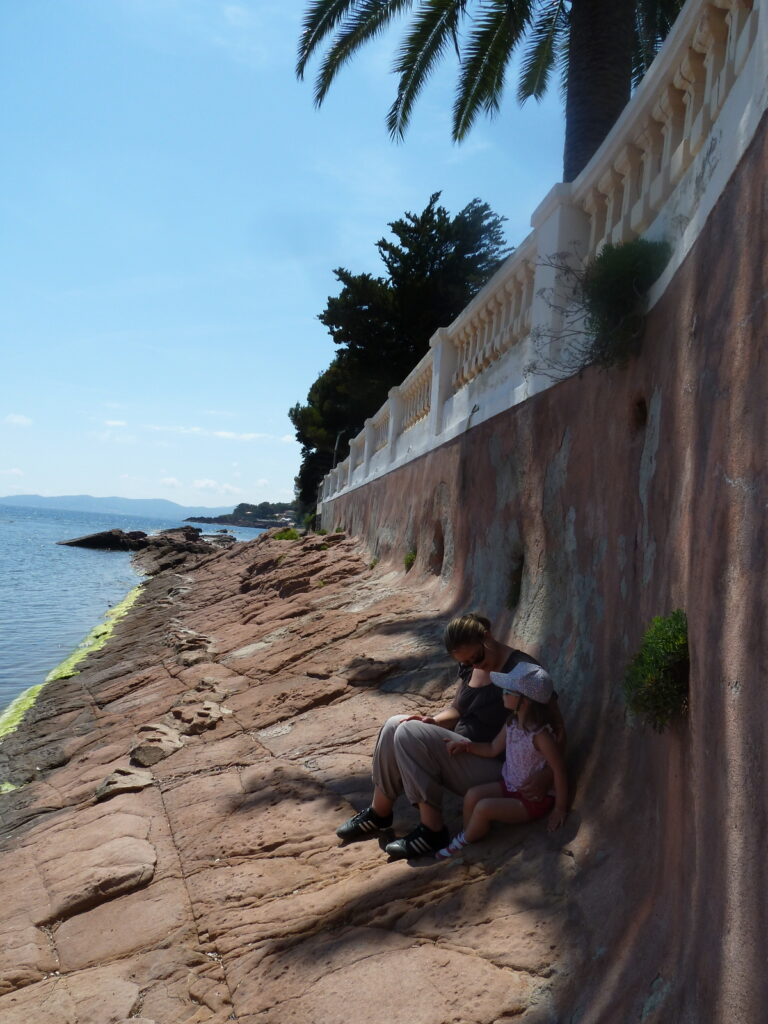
[(374, 563), (287, 534), (656, 682), (409, 559), (339, 529), (614, 289), (321, 533)]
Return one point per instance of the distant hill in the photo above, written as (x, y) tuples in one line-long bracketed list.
[(150, 507)]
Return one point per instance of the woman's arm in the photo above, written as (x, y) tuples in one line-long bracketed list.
[(447, 718), (547, 746), (492, 749)]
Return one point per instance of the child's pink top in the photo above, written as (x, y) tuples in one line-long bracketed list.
[(522, 758)]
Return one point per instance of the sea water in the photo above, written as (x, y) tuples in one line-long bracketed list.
[(52, 596)]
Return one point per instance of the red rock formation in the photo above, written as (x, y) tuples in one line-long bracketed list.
[(575, 518), (210, 885)]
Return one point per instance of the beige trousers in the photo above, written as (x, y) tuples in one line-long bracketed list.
[(413, 758)]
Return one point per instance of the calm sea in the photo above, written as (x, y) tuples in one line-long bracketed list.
[(51, 596)]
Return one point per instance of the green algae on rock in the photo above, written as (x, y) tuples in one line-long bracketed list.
[(11, 718), (13, 714), (95, 640)]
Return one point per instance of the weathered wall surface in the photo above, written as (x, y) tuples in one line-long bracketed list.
[(573, 519)]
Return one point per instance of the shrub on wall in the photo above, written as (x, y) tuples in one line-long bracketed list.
[(614, 290), (601, 308), (656, 682), (409, 559)]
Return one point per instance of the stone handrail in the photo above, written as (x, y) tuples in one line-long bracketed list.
[(415, 394), (381, 428), (658, 173)]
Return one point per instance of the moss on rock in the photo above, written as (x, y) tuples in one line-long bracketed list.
[(95, 640), (11, 718)]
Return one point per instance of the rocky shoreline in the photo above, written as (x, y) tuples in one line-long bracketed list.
[(170, 856)]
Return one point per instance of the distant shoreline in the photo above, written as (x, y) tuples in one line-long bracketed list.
[(228, 520)]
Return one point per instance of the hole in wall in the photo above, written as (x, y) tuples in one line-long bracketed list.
[(437, 550), (515, 583), (639, 413)]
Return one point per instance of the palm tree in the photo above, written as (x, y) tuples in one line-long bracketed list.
[(600, 47)]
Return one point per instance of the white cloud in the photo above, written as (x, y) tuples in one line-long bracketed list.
[(175, 430), (289, 439), (110, 437), (171, 481), (12, 472), (223, 435), (115, 423), (17, 420), (214, 485), (230, 435)]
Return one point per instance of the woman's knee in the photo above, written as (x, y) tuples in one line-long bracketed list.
[(412, 733), (392, 724)]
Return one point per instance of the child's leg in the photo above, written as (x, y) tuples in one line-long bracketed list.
[(476, 793), (505, 809)]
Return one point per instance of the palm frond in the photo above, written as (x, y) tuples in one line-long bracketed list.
[(544, 43), (498, 29), (434, 27), (320, 20), (653, 20), (363, 22), (562, 63)]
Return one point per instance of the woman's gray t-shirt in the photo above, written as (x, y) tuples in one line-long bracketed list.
[(481, 708)]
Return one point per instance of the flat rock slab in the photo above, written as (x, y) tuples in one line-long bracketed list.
[(208, 884)]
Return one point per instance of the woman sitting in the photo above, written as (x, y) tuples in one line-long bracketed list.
[(411, 754)]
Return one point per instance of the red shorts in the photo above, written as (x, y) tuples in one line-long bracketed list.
[(535, 808)]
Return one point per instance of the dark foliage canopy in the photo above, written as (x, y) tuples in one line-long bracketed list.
[(434, 265)]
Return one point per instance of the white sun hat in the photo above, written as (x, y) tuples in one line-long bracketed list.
[(530, 680)]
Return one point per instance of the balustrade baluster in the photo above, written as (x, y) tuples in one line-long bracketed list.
[(711, 41), (670, 111), (691, 79), (650, 140), (628, 164)]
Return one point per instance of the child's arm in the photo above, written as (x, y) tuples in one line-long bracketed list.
[(492, 749), (546, 744)]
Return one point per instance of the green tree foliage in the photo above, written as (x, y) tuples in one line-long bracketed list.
[(598, 47), (434, 265), (656, 681)]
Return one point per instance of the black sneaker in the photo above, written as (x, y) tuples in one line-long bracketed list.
[(363, 825), (422, 842)]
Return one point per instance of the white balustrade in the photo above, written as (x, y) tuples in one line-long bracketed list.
[(648, 177), (415, 393), (381, 429)]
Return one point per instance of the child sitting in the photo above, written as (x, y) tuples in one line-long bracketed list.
[(530, 744)]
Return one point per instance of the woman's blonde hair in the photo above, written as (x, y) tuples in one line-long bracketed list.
[(471, 628)]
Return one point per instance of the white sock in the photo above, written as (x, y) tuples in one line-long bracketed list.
[(458, 842)]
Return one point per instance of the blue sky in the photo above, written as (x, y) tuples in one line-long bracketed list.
[(172, 207)]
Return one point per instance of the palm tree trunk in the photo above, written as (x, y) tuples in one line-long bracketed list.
[(599, 76)]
